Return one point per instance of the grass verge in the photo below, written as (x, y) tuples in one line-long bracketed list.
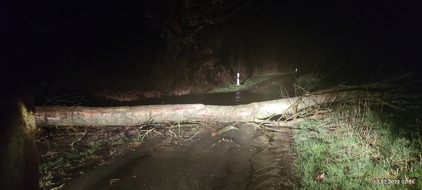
[(57, 166), (246, 83), (351, 149), (68, 152)]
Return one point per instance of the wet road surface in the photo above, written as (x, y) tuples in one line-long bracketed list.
[(241, 158), (263, 91), (244, 157)]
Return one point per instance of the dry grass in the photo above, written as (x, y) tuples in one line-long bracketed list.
[(125, 96)]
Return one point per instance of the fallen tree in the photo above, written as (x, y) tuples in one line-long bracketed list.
[(391, 92), (128, 116)]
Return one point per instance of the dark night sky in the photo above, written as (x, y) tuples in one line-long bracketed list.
[(360, 33), (40, 38)]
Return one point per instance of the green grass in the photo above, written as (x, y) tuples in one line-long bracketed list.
[(310, 78), (53, 169), (248, 83), (355, 151)]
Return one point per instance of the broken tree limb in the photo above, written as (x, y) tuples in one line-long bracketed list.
[(130, 116)]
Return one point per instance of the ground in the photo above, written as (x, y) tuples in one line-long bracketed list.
[(188, 155), (173, 156), (351, 145)]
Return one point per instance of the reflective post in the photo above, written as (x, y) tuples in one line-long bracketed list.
[(238, 79)]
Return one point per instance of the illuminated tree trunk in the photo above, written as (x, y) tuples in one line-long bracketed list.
[(129, 116), (18, 155)]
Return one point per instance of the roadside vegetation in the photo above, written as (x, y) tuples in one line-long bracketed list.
[(359, 145), (245, 83), (68, 152), (54, 168), (349, 149)]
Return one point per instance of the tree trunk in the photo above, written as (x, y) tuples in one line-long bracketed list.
[(18, 151), (129, 116)]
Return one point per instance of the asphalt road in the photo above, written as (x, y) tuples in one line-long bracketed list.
[(245, 157), (240, 158), (267, 90)]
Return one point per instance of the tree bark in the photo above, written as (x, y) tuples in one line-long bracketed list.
[(18, 150), (130, 116)]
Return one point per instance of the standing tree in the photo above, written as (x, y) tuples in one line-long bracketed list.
[(191, 33)]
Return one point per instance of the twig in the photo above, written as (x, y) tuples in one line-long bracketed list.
[(190, 138), (200, 70), (82, 136), (386, 103)]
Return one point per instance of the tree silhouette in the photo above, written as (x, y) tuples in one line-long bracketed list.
[(191, 33)]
